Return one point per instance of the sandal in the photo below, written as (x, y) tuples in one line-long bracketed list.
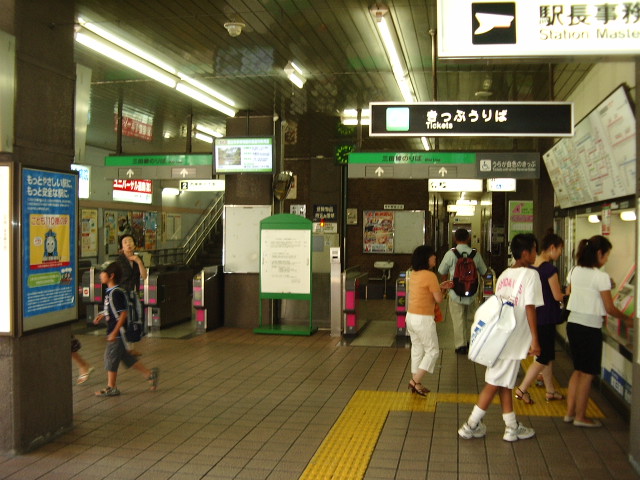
[(524, 396), (420, 390), (83, 377), (153, 378), (108, 392), (551, 396)]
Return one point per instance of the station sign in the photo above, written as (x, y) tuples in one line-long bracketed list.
[(537, 28), (416, 165), (162, 167), (135, 191), (478, 119), (202, 185), (158, 160)]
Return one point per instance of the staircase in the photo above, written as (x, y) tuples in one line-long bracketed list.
[(203, 244)]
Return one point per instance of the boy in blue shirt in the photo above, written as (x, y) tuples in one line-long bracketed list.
[(115, 313)]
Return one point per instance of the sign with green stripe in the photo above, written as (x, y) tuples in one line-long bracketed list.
[(412, 158), (158, 160)]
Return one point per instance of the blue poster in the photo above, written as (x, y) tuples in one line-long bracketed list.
[(49, 283)]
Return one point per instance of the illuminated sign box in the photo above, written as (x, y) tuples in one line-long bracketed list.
[(501, 184), (202, 185), (6, 252), (455, 185), (478, 119), (84, 179), (243, 155), (134, 191), (471, 29)]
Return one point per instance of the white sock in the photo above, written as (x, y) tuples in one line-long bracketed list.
[(510, 419), (477, 414)]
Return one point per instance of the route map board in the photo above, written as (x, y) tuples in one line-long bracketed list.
[(599, 162)]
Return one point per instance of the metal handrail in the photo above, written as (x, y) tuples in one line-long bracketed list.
[(200, 232)]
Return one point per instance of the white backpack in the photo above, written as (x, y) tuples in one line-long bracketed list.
[(493, 323)]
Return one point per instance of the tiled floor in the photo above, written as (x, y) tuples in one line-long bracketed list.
[(233, 404)]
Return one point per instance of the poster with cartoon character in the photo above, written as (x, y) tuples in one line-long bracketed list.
[(49, 232)]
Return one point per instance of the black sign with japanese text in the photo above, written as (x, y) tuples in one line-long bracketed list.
[(491, 119)]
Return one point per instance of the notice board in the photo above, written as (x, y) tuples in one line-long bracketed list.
[(241, 248), (393, 231)]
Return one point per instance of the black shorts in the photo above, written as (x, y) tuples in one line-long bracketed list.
[(586, 348), (116, 353), (547, 340)]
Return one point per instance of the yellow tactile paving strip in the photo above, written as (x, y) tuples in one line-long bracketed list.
[(347, 449)]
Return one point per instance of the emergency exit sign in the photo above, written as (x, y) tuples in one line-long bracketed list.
[(489, 119)]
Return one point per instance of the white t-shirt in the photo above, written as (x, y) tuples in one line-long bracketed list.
[(585, 301), (530, 293)]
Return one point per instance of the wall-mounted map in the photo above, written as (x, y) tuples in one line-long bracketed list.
[(599, 161)]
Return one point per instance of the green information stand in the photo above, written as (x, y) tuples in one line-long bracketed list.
[(285, 267)]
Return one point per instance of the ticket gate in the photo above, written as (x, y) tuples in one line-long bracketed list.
[(354, 282), (401, 304), (92, 293), (167, 296), (208, 298)]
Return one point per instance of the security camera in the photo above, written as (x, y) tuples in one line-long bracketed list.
[(234, 28)]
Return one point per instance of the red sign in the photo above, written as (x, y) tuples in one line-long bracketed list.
[(137, 191), (132, 127)]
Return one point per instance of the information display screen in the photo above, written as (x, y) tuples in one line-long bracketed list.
[(599, 162), (243, 155)]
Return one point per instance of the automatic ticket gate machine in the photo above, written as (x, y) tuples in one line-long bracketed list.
[(167, 297), (401, 304), (208, 298), (354, 282), (92, 293)]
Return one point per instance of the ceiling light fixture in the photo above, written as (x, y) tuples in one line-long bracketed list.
[(394, 52), (234, 28), (294, 74), (627, 216), (208, 130), (143, 61), (350, 117), (593, 218)]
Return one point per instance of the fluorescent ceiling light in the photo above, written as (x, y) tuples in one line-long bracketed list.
[(205, 99), (203, 137), (171, 191), (425, 143), (294, 74), (628, 216), (593, 218), (466, 201), (208, 130), (350, 116), (397, 66), (121, 56), (143, 61), (462, 210)]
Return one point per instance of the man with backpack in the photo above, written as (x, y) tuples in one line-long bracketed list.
[(462, 265)]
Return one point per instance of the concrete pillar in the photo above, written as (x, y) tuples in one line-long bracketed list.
[(35, 368)]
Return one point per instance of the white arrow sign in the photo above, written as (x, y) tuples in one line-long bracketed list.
[(379, 171), (130, 173), (184, 172), (442, 171)]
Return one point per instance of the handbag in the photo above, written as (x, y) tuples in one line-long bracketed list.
[(437, 314), (493, 323)]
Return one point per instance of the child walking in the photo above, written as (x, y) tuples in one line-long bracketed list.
[(115, 314), (501, 377)]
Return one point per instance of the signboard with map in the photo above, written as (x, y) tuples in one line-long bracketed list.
[(599, 162)]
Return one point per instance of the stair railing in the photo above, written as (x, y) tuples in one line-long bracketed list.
[(200, 232)]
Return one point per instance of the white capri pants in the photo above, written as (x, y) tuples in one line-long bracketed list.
[(425, 349)]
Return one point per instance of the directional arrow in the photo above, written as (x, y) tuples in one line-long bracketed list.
[(379, 171), (442, 172), (130, 173), (184, 172)]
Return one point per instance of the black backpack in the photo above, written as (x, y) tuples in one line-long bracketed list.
[(465, 275)]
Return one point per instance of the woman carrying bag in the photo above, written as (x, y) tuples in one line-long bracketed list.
[(589, 302), (424, 294)]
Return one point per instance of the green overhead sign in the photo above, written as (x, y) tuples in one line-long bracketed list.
[(158, 160), (412, 158)]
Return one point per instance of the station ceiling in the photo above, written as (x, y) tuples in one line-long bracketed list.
[(335, 42)]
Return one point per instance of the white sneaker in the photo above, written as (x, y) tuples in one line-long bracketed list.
[(512, 434), (467, 432)]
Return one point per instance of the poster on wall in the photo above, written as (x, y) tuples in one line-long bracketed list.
[(150, 231), (49, 232), (378, 231), (137, 228), (89, 232), (520, 217)]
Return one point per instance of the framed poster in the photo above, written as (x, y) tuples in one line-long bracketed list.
[(378, 228), (89, 232), (520, 217), (49, 263)]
